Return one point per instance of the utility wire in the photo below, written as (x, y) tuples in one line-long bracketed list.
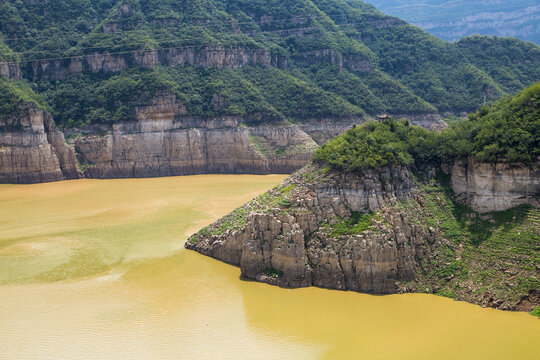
[(217, 23), (160, 41)]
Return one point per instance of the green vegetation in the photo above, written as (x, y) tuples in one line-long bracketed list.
[(277, 198), (508, 131), (271, 272), (314, 59), (13, 93), (494, 253), (234, 220), (355, 224), (449, 20), (536, 312), (378, 144)]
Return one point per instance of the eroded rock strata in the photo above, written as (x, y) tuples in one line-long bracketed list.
[(33, 150), (500, 186), (377, 232)]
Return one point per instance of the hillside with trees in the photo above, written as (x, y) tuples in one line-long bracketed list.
[(452, 20), (267, 61)]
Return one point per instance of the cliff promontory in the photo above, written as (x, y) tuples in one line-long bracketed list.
[(376, 213), (31, 147), (380, 231)]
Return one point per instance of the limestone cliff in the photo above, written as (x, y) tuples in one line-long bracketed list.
[(288, 239), (32, 149), (10, 70), (204, 56), (378, 231), (164, 141), (487, 187)]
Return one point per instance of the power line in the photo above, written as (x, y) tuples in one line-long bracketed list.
[(157, 41), (217, 23), (214, 22), (161, 41)]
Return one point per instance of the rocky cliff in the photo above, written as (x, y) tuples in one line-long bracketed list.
[(32, 149), (488, 187), (292, 234), (10, 70), (164, 142), (378, 231), (203, 56)]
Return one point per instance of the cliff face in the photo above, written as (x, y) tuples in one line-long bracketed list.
[(201, 56), (207, 56), (379, 231), (494, 187), (10, 70), (164, 142), (293, 237), (33, 150)]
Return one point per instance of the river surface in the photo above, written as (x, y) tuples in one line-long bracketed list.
[(95, 269)]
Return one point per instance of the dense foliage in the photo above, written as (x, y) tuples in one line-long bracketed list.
[(377, 144), (330, 59), (508, 131), (13, 93)]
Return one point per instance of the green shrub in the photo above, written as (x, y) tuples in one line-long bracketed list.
[(271, 272)]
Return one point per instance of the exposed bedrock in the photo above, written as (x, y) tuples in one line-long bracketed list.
[(32, 149), (191, 146), (487, 187), (208, 56), (378, 231), (297, 244), (10, 70), (202, 56), (163, 141)]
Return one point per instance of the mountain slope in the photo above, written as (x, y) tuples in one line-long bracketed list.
[(356, 59), (452, 20)]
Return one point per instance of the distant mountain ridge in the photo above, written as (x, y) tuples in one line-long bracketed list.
[(452, 20)]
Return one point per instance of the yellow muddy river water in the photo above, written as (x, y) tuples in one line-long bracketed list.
[(94, 269)]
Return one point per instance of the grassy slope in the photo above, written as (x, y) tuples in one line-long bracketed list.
[(496, 254), (13, 93)]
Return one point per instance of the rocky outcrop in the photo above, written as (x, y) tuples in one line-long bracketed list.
[(161, 141), (164, 141), (330, 56), (379, 231), (10, 70), (32, 149), (202, 56), (291, 242), (488, 187), (191, 146)]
